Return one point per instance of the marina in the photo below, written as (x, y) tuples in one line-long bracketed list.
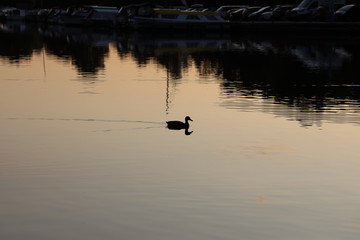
[(301, 19)]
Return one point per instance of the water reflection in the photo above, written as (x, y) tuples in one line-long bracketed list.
[(13, 47), (173, 52), (306, 80), (86, 49), (318, 79), (309, 80)]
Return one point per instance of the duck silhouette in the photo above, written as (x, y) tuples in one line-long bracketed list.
[(177, 125)]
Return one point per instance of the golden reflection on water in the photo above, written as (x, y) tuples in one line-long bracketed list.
[(261, 199)]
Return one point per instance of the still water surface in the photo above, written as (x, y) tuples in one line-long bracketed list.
[(85, 152)]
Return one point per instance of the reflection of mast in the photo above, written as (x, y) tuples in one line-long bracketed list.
[(44, 66), (167, 91), (330, 62)]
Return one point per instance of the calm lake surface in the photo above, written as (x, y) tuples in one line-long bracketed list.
[(272, 153)]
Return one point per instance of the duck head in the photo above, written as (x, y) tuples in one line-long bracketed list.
[(187, 118)]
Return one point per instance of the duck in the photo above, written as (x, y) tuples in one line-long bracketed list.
[(177, 125)]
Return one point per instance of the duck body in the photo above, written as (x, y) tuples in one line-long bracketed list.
[(177, 125)]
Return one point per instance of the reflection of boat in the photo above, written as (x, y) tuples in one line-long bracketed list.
[(182, 44), (14, 27), (326, 57), (78, 36), (177, 19)]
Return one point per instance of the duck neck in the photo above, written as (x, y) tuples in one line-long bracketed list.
[(186, 123)]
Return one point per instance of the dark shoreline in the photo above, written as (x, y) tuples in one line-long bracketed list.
[(281, 28), (207, 3), (337, 30), (287, 27)]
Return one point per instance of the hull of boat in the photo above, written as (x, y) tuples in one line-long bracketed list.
[(159, 24)]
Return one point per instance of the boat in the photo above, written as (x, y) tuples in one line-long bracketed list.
[(89, 16), (101, 16), (146, 18)]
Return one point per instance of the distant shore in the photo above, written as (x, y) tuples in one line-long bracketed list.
[(117, 3), (287, 27)]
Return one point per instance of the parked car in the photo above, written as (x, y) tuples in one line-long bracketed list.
[(256, 15), (224, 10), (281, 12), (307, 9), (197, 7), (16, 14), (304, 10), (249, 11), (266, 16), (348, 13), (242, 13), (320, 14), (236, 15)]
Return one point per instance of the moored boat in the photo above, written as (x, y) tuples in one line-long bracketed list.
[(90, 16), (176, 19)]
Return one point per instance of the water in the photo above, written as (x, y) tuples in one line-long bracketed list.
[(85, 152)]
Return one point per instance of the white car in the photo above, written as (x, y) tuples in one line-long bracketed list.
[(223, 10)]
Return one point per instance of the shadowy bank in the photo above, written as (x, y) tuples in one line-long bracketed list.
[(119, 3)]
